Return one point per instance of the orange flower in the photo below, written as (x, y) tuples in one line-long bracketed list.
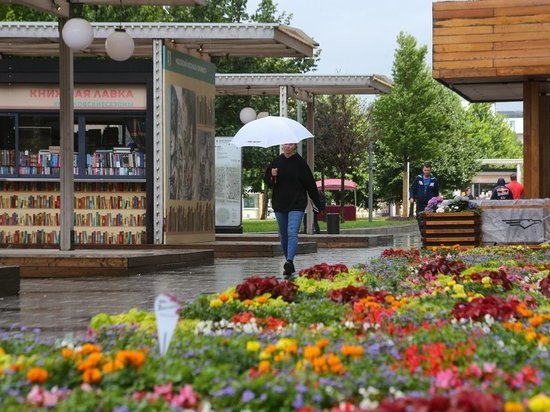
[(524, 310), (92, 375), (513, 407), (67, 353), (247, 302), (262, 300), (320, 364), (264, 366), (112, 366), (354, 351), (224, 297), (311, 352), (89, 348), (536, 321), (90, 362), (322, 343), (37, 375), (130, 357)]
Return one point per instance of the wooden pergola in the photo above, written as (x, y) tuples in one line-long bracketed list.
[(497, 51)]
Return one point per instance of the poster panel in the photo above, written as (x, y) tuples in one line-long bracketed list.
[(189, 90), (228, 183)]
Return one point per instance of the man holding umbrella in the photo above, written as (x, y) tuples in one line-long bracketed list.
[(292, 181)]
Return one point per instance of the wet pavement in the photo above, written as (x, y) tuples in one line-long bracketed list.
[(65, 306)]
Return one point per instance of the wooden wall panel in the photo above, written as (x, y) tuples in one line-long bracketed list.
[(502, 34)]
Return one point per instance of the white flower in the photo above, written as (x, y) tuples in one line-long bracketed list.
[(440, 210)]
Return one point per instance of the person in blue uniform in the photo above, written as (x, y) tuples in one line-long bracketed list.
[(423, 188)]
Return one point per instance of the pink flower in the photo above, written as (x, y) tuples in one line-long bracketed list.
[(474, 370), (35, 396), (445, 379), (186, 397)]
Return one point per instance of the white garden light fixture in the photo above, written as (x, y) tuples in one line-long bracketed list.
[(247, 114), (119, 45), (78, 33)]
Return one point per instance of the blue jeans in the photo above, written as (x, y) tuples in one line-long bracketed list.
[(289, 225)]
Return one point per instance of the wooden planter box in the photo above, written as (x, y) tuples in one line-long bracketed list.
[(450, 229)]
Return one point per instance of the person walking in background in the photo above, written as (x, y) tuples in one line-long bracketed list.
[(291, 181), (501, 191), (322, 205), (515, 186), (423, 188), (469, 194)]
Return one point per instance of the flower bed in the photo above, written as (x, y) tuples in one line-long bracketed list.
[(447, 330)]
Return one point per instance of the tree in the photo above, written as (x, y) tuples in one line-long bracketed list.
[(419, 119), (340, 136)]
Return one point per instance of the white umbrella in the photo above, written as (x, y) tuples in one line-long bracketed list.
[(270, 131)]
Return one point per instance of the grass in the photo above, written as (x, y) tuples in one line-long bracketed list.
[(270, 225)]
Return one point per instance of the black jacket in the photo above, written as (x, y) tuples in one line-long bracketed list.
[(293, 183), (501, 191)]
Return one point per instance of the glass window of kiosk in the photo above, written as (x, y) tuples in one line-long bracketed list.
[(115, 145), (7, 144), (104, 145)]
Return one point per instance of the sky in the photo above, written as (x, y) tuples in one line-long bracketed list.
[(359, 36)]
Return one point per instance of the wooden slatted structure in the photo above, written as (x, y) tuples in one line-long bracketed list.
[(491, 38), (497, 50), (450, 229)]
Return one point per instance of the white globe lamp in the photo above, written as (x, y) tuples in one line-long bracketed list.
[(261, 115), (78, 33), (119, 45), (247, 114)]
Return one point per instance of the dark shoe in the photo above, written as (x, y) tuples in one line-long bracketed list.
[(289, 267)]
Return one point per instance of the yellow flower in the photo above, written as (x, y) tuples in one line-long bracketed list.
[(286, 344), (486, 280), (539, 403), (216, 303), (253, 346), (2, 351), (459, 290), (529, 336)]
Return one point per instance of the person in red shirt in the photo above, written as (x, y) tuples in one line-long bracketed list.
[(515, 187)]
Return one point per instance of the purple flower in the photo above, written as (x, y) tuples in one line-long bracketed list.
[(298, 401), (248, 395)]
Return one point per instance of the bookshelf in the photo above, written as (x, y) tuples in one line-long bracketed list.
[(105, 213)]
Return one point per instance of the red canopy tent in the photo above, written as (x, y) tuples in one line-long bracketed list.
[(336, 184)]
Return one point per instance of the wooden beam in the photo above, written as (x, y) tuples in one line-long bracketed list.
[(531, 122)]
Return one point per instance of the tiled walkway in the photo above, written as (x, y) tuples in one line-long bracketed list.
[(62, 306)]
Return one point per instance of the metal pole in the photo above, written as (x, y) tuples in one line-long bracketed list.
[(371, 180), (66, 119)]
